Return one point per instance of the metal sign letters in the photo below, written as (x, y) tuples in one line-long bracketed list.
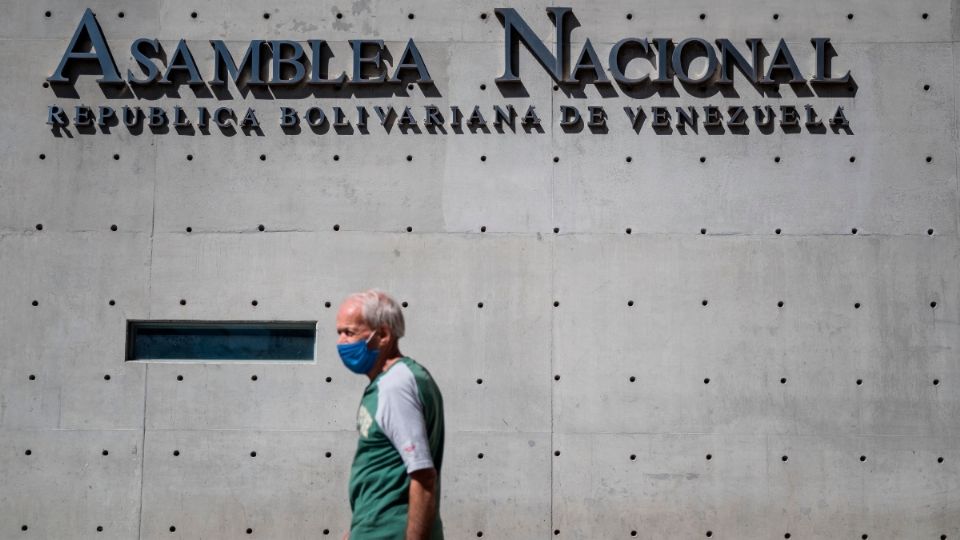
[(291, 69)]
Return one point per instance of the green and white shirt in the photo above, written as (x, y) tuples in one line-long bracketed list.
[(400, 423)]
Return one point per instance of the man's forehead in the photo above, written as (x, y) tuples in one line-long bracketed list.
[(350, 314)]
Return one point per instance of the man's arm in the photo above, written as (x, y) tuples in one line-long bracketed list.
[(423, 502)]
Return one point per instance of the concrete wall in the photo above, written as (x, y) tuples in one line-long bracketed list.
[(614, 401)]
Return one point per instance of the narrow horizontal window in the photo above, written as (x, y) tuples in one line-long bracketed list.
[(222, 341)]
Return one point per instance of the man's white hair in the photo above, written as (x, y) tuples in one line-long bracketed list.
[(380, 309)]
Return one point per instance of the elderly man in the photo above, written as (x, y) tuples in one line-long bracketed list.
[(395, 477)]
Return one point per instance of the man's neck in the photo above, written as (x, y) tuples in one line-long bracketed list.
[(386, 365)]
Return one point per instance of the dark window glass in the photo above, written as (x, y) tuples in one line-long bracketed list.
[(210, 340)]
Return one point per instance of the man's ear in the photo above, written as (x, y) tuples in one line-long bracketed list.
[(384, 336)]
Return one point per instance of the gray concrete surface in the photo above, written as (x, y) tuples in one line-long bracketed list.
[(595, 415)]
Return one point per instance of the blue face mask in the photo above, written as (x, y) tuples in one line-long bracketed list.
[(357, 357)]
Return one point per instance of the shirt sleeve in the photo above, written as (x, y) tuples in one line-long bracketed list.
[(400, 416)]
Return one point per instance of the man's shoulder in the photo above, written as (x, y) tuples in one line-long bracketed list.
[(425, 383), (398, 377), (407, 375), (417, 369)]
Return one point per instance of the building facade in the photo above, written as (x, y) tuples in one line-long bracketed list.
[(681, 269)]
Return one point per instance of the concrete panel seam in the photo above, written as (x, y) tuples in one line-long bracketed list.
[(143, 452)]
